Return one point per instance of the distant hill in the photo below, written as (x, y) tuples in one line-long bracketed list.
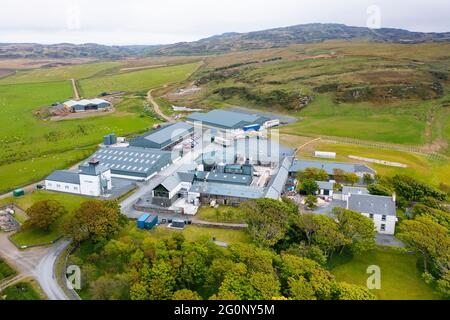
[(67, 50), (307, 33), (227, 42)]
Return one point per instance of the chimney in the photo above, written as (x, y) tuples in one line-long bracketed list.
[(394, 197), (94, 162)]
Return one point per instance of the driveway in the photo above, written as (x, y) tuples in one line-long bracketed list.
[(35, 262)]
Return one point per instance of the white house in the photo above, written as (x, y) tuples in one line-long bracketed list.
[(92, 179), (326, 189), (382, 210)]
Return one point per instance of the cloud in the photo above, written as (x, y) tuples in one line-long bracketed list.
[(158, 22)]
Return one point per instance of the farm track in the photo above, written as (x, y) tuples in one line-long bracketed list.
[(157, 108), (76, 94)]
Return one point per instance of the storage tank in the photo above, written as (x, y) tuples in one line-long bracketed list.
[(141, 221)]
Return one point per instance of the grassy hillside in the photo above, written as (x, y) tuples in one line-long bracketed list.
[(32, 148), (60, 73), (136, 81), (383, 92)]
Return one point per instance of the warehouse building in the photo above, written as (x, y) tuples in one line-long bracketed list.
[(133, 163), (86, 105), (164, 137), (228, 120), (92, 179)]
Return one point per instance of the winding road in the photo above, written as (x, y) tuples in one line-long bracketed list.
[(38, 263), (157, 108)]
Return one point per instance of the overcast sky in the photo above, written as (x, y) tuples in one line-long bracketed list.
[(169, 21)]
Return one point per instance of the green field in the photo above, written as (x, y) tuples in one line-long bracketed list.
[(35, 236), (21, 291), (394, 124), (34, 147), (193, 233), (400, 278), (6, 270), (136, 81), (429, 170), (60, 73), (222, 214)]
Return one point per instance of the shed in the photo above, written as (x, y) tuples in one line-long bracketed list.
[(141, 221), (150, 222), (18, 193), (177, 223)]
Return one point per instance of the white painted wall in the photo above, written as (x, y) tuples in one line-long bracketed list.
[(90, 185), (62, 187), (389, 223)]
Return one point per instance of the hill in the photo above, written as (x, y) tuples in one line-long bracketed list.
[(227, 42), (299, 34)]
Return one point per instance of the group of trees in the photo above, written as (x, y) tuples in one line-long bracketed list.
[(428, 234), (277, 225), (143, 268)]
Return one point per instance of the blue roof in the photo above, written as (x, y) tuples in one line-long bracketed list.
[(226, 119), (299, 165), (144, 217)]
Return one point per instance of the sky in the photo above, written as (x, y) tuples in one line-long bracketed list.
[(145, 22)]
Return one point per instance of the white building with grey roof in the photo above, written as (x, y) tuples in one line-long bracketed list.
[(92, 179), (381, 209)]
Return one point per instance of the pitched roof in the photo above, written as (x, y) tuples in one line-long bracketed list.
[(169, 133), (64, 176), (226, 119), (354, 190), (229, 190), (372, 204), (325, 185)]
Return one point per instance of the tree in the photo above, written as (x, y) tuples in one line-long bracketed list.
[(346, 291), (311, 252), (185, 294), (311, 201), (438, 216), (351, 178), (368, 179), (309, 186), (426, 237), (414, 190), (359, 229), (379, 190), (95, 220), (256, 259), (43, 214), (266, 285), (322, 231), (339, 175), (312, 174), (110, 288), (162, 282), (268, 220)]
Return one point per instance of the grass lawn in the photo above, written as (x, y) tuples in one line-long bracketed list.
[(222, 214), (80, 71), (193, 233), (363, 121), (5, 270), (138, 80), (35, 236), (22, 291), (425, 169), (400, 278)]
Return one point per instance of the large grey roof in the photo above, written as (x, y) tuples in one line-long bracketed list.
[(354, 190), (372, 204), (229, 190), (278, 181), (64, 176), (171, 182), (132, 161), (169, 133), (226, 119), (299, 165)]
